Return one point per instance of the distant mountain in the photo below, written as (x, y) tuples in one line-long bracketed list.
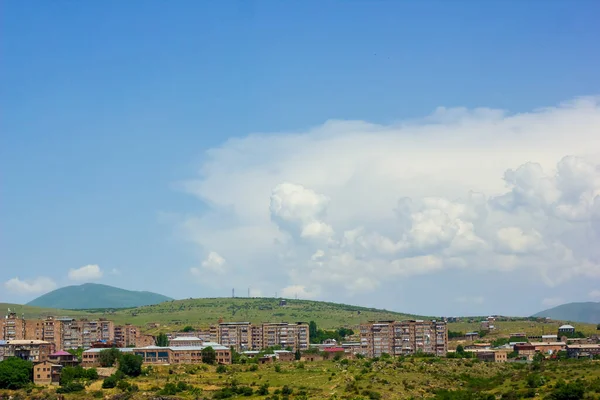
[(92, 295), (577, 312)]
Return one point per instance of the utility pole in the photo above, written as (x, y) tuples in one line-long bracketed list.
[(233, 293)]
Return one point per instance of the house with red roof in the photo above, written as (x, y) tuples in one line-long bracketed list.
[(63, 358)]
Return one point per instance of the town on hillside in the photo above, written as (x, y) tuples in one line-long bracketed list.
[(57, 343)]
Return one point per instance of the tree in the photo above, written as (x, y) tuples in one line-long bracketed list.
[(297, 355), (568, 391), (78, 352), (460, 349), (108, 357), (312, 329), (162, 340), (208, 355), (15, 373), (131, 365), (188, 329), (598, 327)]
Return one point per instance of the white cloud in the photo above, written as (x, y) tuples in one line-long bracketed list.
[(214, 262), (552, 301), (298, 291), (87, 273), (594, 294), (349, 206), (40, 284)]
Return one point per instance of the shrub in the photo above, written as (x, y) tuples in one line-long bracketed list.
[(71, 387), (286, 390), (253, 367), (277, 368), (110, 382), (108, 358), (221, 369), (263, 390)]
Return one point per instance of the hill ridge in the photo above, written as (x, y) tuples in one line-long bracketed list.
[(96, 295), (588, 312)]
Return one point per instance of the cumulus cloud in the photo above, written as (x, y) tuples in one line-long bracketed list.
[(87, 273), (40, 284), (213, 263), (349, 206)]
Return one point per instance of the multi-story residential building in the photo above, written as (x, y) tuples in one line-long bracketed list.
[(13, 327), (284, 334), (236, 335), (125, 335), (30, 350), (185, 341), (403, 337)]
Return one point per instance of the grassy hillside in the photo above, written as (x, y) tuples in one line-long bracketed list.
[(201, 313), (91, 295), (577, 312), (412, 378), (531, 328), (204, 312)]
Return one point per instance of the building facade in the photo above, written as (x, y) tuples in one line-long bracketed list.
[(46, 373), (403, 338), (30, 350), (236, 335)]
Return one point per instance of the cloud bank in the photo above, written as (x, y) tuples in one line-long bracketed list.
[(348, 206), (37, 285)]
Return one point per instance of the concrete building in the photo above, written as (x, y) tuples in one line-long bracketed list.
[(583, 350), (63, 358), (2, 349), (566, 330), (90, 357), (13, 327), (549, 347), (185, 341), (497, 356), (236, 335), (525, 350), (46, 373), (403, 337), (293, 335), (30, 350)]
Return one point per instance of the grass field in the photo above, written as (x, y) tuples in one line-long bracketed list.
[(201, 313), (410, 378), (505, 328)]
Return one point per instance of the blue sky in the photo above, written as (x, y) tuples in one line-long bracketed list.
[(125, 126)]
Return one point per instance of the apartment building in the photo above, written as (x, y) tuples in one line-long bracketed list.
[(13, 327), (236, 335), (30, 350), (294, 335), (403, 338), (130, 336)]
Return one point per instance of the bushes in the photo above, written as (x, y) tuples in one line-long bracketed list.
[(15, 373), (221, 369), (568, 391), (71, 374), (71, 387), (108, 358), (263, 390), (110, 382), (131, 365)]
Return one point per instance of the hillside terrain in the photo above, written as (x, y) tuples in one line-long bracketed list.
[(92, 295), (577, 312), (201, 313), (387, 378)]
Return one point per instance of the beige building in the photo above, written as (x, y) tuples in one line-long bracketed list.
[(13, 327), (403, 338), (285, 335), (185, 341), (237, 335), (46, 373), (30, 350)]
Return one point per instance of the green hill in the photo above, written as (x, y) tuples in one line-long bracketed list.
[(204, 312), (201, 313), (92, 295), (577, 312)]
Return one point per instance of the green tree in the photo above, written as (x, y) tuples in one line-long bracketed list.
[(15, 373), (312, 330), (108, 357), (162, 340), (208, 355), (297, 355), (188, 329), (263, 390), (78, 352), (568, 391), (131, 365)]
